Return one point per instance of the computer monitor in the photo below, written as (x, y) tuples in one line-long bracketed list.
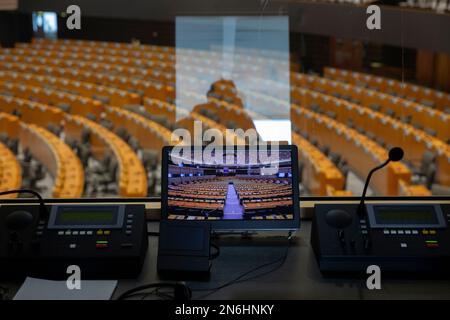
[(237, 189)]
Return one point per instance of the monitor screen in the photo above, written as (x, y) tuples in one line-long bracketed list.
[(241, 185)]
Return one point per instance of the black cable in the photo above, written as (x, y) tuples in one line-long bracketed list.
[(181, 292), (239, 279), (282, 261), (42, 212), (155, 292)]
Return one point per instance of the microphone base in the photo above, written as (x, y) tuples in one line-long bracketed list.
[(350, 252)]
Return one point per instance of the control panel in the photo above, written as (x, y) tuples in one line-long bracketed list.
[(400, 239), (105, 241)]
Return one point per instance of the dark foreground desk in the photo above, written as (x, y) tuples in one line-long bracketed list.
[(298, 278)]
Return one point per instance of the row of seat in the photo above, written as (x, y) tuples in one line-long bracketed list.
[(184, 67), (104, 143), (319, 173), (30, 57), (410, 112), (107, 95), (433, 119), (269, 203), (361, 153), (187, 119), (388, 85), (136, 123), (57, 157), (247, 59), (227, 114), (156, 70), (104, 44), (84, 106), (111, 69), (132, 85), (46, 80), (75, 44), (132, 179), (203, 119), (150, 134), (180, 196), (414, 142), (49, 150), (195, 204), (151, 66), (58, 45), (10, 172), (433, 98), (60, 99)]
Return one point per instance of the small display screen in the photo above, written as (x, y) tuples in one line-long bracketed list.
[(89, 217), (86, 216), (387, 215), (407, 216)]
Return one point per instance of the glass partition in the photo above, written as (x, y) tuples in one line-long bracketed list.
[(89, 96)]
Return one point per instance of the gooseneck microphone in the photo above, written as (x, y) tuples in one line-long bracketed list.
[(395, 154), (18, 220)]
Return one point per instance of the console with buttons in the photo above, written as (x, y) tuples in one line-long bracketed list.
[(400, 239), (105, 241)]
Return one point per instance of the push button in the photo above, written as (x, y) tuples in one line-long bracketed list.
[(432, 244), (432, 231), (101, 244), (99, 232), (107, 232), (425, 232)]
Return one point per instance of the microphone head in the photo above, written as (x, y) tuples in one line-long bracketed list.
[(396, 154)]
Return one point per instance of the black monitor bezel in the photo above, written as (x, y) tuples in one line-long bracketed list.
[(241, 225)]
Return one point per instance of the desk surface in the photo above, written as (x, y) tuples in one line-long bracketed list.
[(298, 277)]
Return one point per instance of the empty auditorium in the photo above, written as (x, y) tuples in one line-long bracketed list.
[(225, 149), (85, 112)]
